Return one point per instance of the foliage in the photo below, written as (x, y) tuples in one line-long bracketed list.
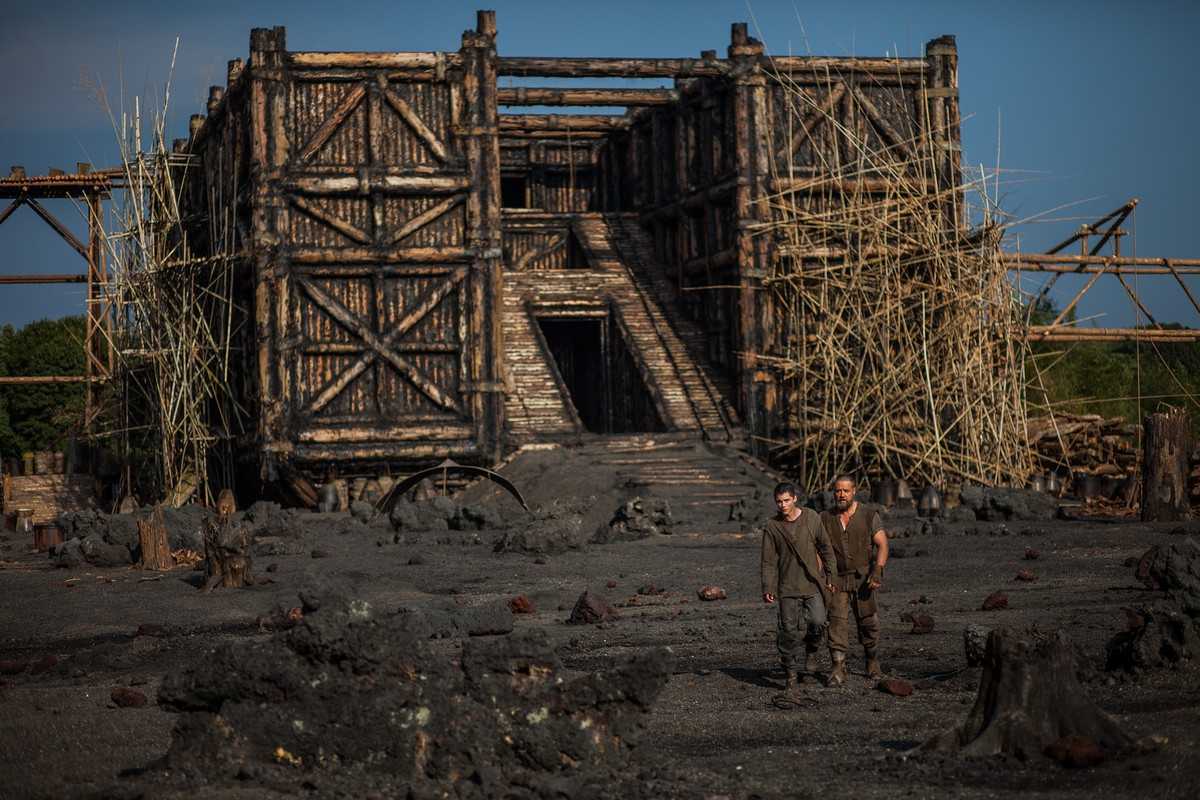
[(1109, 378), (40, 416)]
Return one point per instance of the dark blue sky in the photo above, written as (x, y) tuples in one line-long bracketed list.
[(1092, 102)]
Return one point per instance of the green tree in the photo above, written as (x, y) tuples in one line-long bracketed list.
[(39, 416)]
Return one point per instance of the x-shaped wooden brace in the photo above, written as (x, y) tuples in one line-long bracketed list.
[(381, 346)]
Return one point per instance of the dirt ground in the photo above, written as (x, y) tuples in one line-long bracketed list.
[(713, 731)]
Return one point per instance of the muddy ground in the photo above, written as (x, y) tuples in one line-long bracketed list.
[(72, 636)]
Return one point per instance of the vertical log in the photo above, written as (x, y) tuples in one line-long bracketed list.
[(486, 346), (267, 47), (1165, 466), (750, 152), (941, 92)]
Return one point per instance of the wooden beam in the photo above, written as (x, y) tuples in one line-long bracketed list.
[(381, 255), (1062, 333), (34, 379), (811, 119), (611, 67), (334, 121), (562, 122), (545, 96), (1030, 260), (424, 218), (401, 107), (350, 60), (337, 223), (367, 183), (59, 228), (48, 278), (834, 65)]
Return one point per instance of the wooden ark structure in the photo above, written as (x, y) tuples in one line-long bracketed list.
[(424, 276)]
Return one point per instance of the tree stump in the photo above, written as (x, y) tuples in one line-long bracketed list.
[(152, 538), (1029, 699), (227, 547), (1165, 467)]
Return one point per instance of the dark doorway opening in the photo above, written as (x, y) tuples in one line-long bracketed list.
[(512, 192), (600, 375)]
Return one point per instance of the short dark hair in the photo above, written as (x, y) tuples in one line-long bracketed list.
[(845, 478), (786, 488)]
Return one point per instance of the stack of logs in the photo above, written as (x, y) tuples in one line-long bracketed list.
[(1088, 443)]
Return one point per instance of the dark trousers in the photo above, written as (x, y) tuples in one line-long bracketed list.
[(801, 619)]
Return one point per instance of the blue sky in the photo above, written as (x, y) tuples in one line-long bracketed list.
[(1091, 102)]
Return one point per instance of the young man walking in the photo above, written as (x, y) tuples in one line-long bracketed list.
[(854, 531), (793, 577)]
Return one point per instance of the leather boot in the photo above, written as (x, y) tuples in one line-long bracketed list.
[(874, 671), (837, 676)]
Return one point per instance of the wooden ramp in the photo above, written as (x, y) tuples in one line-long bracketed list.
[(620, 281)]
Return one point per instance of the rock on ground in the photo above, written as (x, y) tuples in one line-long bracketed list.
[(350, 692)]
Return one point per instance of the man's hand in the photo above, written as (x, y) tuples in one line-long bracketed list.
[(829, 587), (768, 597), (874, 583)]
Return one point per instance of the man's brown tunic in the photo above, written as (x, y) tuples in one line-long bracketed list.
[(789, 556)]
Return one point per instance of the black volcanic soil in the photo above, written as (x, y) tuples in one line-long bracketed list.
[(713, 730)]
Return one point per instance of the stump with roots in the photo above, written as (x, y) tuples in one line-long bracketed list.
[(227, 547), (1029, 699)]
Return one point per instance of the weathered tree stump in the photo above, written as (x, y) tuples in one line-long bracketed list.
[(1165, 467), (152, 539), (1029, 699), (227, 547)]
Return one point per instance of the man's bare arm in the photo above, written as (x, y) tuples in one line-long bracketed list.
[(880, 540)]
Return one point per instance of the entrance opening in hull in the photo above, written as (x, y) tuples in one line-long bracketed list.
[(600, 375)]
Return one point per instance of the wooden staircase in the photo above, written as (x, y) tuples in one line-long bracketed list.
[(538, 405)]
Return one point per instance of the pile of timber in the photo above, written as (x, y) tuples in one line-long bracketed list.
[(1086, 442)]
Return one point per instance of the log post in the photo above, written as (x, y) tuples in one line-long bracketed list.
[(485, 291), (1165, 466), (941, 95), (267, 56), (751, 143), (152, 539)]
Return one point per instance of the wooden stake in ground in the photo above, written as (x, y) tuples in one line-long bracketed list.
[(1165, 466), (152, 538), (227, 547), (1029, 703)]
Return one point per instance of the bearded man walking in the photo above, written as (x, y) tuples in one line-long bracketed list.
[(854, 530)]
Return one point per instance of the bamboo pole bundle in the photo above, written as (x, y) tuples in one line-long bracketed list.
[(177, 321), (900, 343)]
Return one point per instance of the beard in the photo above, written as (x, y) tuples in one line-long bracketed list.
[(843, 505)]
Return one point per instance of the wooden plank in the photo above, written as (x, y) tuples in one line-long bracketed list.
[(880, 122), (327, 128)]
